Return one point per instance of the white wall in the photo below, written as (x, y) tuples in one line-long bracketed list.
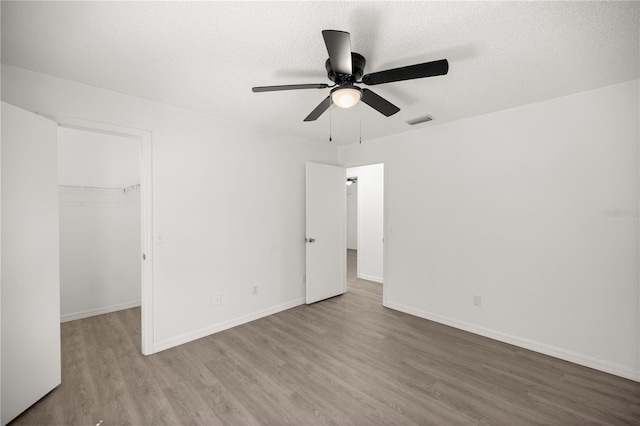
[(532, 208), (210, 179), (370, 220), (30, 261), (352, 216), (97, 159), (100, 253)]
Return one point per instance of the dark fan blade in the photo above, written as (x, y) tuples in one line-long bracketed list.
[(339, 48), (289, 87), (378, 103), (427, 69), (324, 105)]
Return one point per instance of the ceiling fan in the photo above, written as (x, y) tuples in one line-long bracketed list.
[(345, 68)]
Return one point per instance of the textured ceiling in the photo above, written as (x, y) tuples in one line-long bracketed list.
[(206, 56)]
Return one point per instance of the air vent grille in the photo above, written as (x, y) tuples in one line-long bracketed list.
[(419, 120)]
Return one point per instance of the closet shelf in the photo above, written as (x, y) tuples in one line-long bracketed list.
[(97, 188)]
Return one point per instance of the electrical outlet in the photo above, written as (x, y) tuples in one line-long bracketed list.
[(254, 289), (216, 298), (477, 300)]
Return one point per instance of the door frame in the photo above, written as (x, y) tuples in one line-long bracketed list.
[(384, 221), (144, 138)]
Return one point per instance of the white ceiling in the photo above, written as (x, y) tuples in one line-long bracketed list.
[(206, 56)]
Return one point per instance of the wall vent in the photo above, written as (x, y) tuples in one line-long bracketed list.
[(419, 120)]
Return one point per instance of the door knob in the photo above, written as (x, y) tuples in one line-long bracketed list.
[(310, 240)]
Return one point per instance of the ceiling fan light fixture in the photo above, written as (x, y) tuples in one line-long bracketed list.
[(346, 68), (346, 96)]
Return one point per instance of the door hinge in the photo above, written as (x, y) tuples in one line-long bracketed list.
[(144, 256)]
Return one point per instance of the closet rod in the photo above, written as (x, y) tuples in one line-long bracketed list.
[(129, 188), (99, 188)]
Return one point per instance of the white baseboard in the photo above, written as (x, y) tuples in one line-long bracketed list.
[(370, 278), (574, 357), (98, 311), (225, 325)]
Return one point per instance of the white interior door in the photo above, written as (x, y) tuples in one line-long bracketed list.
[(30, 260), (326, 215)]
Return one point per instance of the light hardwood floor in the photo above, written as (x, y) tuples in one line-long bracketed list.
[(346, 360)]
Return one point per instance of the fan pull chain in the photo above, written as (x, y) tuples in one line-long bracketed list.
[(360, 108), (330, 121)]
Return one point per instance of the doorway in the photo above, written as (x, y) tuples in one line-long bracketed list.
[(365, 223), (99, 213), (134, 196)]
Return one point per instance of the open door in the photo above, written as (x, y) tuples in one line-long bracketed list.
[(30, 260), (326, 231)]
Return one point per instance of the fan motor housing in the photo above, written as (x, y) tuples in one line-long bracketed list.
[(357, 64)]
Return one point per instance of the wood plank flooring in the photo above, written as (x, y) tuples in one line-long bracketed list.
[(343, 361)]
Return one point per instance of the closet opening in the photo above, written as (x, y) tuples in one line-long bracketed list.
[(104, 179), (99, 198)]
